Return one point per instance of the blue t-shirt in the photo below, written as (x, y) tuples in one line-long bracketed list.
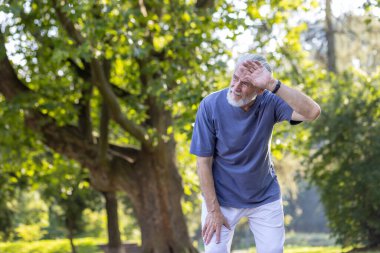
[(239, 142)]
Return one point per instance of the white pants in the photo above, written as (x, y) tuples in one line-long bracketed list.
[(266, 223)]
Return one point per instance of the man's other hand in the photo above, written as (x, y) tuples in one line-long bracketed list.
[(214, 222)]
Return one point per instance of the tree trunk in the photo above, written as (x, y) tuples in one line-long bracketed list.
[(71, 236), (114, 241), (373, 233), (157, 203), (331, 55), (73, 250)]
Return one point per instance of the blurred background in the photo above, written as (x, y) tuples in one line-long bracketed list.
[(98, 98)]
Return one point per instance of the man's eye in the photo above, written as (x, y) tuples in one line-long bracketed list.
[(245, 84)]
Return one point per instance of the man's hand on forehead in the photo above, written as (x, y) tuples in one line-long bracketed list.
[(257, 74), (253, 66)]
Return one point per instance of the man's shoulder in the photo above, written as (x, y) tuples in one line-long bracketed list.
[(268, 98), (267, 95), (216, 96)]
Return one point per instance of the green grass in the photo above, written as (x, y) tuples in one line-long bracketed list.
[(90, 245), (83, 245), (294, 249)]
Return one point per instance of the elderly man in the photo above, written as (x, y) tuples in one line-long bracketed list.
[(231, 140)]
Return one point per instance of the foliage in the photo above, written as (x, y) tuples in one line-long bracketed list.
[(309, 239), (128, 223), (66, 189), (127, 45), (7, 212), (27, 164), (15, 175), (299, 207), (30, 233), (347, 154), (95, 223)]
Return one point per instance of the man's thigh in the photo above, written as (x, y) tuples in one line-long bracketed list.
[(233, 216), (267, 224)]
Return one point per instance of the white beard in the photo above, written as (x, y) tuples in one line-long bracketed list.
[(241, 102)]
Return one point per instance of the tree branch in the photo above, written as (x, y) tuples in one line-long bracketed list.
[(100, 80), (10, 85), (143, 8), (201, 4), (129, 153), (109, 97), (104, 124), (85, 74), (84, 120), (67, 24), (103, 139), (68, 141)]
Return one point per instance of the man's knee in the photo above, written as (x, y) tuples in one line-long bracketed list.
[(224, 246), (217, 248)]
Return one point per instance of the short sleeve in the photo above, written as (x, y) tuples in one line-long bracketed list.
[(282, 110), (203, 139)]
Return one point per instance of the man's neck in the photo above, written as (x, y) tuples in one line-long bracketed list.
[(249, 105)]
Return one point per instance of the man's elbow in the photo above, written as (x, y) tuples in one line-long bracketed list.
[(315, 112)]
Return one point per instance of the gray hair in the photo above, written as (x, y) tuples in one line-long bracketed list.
[(253, 57)]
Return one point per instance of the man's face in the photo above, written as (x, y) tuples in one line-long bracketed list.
[(242, 91)]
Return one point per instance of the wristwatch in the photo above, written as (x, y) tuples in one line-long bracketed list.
[(278, 85)]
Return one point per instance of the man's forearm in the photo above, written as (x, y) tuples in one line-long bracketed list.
[(297, 100), (204, 165)]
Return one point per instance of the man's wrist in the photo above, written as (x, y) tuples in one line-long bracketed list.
[(272, 84), (216, 210), (212, 205), (277, 86), (213, 209)]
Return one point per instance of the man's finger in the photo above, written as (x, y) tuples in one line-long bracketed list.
[(204, 230), (209, 236), (218, 229), (250, 66), (258, 64), (207, 233), (247, 68), (260, 67)]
